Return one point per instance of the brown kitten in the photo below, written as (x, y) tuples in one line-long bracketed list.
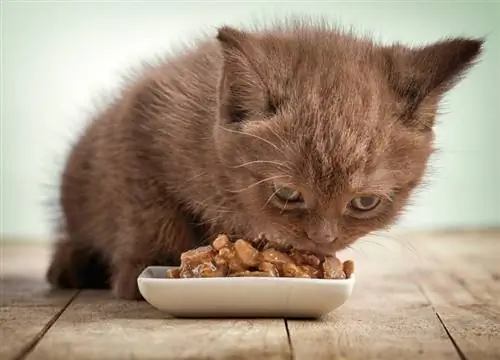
[(306, 133)]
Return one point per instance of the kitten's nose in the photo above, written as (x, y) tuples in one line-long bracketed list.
[(322, 238), (325, 232)]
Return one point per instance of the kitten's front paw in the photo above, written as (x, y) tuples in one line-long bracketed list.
[(125, 286), (58, 276)]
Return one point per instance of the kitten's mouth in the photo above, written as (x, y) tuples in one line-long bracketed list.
[(306, 244), (318, 249)]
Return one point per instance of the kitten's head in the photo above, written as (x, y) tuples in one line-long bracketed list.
[(325, 136)]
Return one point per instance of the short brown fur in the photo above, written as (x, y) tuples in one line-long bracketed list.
[(193, 145)]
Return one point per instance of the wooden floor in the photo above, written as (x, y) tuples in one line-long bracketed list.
[(417, 296)]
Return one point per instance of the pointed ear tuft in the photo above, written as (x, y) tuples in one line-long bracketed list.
[(417, 73), (241, 88), (232, 38), (446, 61)]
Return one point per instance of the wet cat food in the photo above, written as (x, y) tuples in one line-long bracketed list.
[(259, 258)]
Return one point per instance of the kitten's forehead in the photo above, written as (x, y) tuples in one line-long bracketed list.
[(318, 65), (330, 81), (342, 163), (338, 109), (343, 158), (343, 136), (334, 104), (340, 153)]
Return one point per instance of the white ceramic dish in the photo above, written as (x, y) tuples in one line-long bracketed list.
[(243, 296)]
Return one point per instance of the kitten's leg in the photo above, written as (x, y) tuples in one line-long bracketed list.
[(75, 265), (158, 237)]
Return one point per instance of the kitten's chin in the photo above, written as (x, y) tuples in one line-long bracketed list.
[(304, 245), (317, 249)]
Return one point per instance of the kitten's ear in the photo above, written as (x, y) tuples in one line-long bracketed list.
[(232, 39), (424, 74), (242, 92)]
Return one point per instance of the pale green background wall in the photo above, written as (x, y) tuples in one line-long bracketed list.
[(57, 57)]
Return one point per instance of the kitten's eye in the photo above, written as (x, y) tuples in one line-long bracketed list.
[(365, 203), (287, 194)]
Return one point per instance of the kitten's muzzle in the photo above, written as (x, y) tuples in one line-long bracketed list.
[(326, 249), (321, 237)]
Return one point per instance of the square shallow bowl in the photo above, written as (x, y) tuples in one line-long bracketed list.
[(242, 296)]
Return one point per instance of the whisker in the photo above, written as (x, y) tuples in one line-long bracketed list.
[(271, 196), (207, 202), (404, 245), (258, 182), (368, 241), (356, 250), (277, 163), (195, 177), (208, 221), (284, 207), (254, 136), (286, 144)]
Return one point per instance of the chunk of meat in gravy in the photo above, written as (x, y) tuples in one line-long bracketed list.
[(209, 270), (276, 257), (348, 267), (248, 255), (197, 256), (332, 268), (220, 242), (232, 260), (304, 258), (243, 259), (269, 268)]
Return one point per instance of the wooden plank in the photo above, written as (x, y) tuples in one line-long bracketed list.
[(27, 306), (459, 250), (96, 326), (382, 321), (387, 316), (464, 289)]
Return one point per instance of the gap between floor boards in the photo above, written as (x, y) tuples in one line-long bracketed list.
[(290, 345), (448, 334), (26, 350)]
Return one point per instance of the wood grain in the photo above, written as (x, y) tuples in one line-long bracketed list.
[(27, 305), (386, 318), (97, 326), (417, 296), (463, 286)]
